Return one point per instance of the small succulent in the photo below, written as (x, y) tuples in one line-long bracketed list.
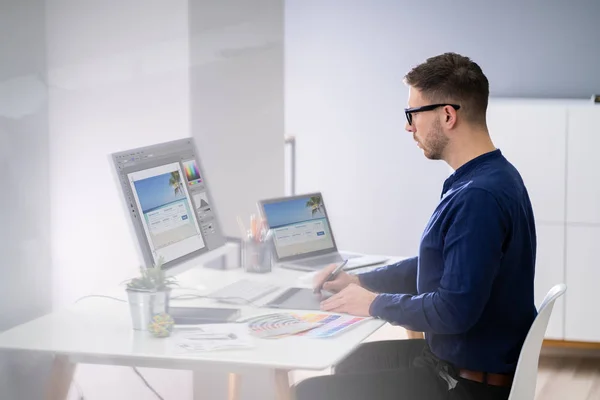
[(151, 279)]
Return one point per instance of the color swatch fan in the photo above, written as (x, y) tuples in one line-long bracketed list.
[(329, 324), (278, 325), (315, 325)]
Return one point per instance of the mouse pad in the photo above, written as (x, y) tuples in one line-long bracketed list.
[(299, 299)]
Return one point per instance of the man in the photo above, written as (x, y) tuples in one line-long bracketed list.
[(471, 287)]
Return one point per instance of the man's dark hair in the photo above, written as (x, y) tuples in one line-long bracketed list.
[(452, 78)]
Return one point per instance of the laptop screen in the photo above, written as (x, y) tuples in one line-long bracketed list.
[(299, 225)]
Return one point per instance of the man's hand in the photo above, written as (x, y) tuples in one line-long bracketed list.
[(341, 281), (353, 300)]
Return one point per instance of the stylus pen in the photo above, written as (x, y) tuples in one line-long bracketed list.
[(331, 276)]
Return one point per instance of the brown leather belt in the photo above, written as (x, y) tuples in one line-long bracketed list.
[(489, 378)]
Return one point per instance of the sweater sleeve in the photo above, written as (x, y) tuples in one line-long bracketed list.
[(400, 277), (472, 253)]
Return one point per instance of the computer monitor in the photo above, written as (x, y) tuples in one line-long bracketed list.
[(168, 202)]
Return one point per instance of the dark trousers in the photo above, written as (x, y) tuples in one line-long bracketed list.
[(395, 370)]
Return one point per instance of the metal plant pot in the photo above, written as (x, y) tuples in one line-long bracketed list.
[(144, 305)]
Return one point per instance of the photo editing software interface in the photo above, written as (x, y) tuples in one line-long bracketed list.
[(299, 225), (168, 201)]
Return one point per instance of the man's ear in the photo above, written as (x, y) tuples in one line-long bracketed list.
[(450, 113)]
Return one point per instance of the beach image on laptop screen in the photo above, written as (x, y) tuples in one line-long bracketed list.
[(299, 225)]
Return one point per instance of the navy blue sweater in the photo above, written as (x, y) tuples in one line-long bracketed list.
[(471, 287)]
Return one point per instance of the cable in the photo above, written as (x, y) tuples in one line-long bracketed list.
[(146, 383), (100, 295), (187, 296), (79, 390)]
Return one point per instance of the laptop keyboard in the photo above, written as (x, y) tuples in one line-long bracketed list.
[(325, 260)]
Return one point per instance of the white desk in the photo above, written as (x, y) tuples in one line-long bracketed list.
[(98, 331)]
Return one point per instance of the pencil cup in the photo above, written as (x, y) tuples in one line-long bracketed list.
[(256, 256)]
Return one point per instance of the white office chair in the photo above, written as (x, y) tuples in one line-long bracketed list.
[(524, 383)]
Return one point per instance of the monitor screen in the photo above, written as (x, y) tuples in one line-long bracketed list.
[(299, 225), (168, 201)]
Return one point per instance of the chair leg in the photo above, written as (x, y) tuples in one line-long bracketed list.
[(61, 377), (233, 390)]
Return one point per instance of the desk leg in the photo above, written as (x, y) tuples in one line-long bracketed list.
[(61, 377), (282, 385), (233, 389), (210, 385)]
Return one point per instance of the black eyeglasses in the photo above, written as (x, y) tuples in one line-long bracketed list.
[(409, 111)]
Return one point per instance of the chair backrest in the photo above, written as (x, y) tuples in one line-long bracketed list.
[(524, 383)]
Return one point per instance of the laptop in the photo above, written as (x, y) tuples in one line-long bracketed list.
[(302, 234)]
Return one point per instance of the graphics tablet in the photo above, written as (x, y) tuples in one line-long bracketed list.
[(299, 299)]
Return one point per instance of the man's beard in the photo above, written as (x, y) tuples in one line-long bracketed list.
[(436, 142)]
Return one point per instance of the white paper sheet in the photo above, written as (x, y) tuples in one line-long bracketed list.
[(201, 338)]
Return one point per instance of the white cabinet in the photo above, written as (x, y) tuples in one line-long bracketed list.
[(582, 316), (549, 271), (533, 138), (583, 170), (582, 322), (554, 145)]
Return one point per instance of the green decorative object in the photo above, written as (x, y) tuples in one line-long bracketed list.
[(151, 279), (161, 325)]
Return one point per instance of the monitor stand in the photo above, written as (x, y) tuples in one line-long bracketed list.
[(219, 258)]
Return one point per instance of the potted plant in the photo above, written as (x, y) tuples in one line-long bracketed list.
[(149, 295)]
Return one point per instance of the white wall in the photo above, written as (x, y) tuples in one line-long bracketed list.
[(237, 101), (118, 76), (24, 209), (527, 49), (109, 91), (129, 88), (26, 271), (344, 103), (344, 95)]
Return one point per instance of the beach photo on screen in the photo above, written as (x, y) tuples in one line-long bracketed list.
[(166, 208), (299, 225)]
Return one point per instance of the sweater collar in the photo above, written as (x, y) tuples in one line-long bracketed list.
[(469, 166)]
